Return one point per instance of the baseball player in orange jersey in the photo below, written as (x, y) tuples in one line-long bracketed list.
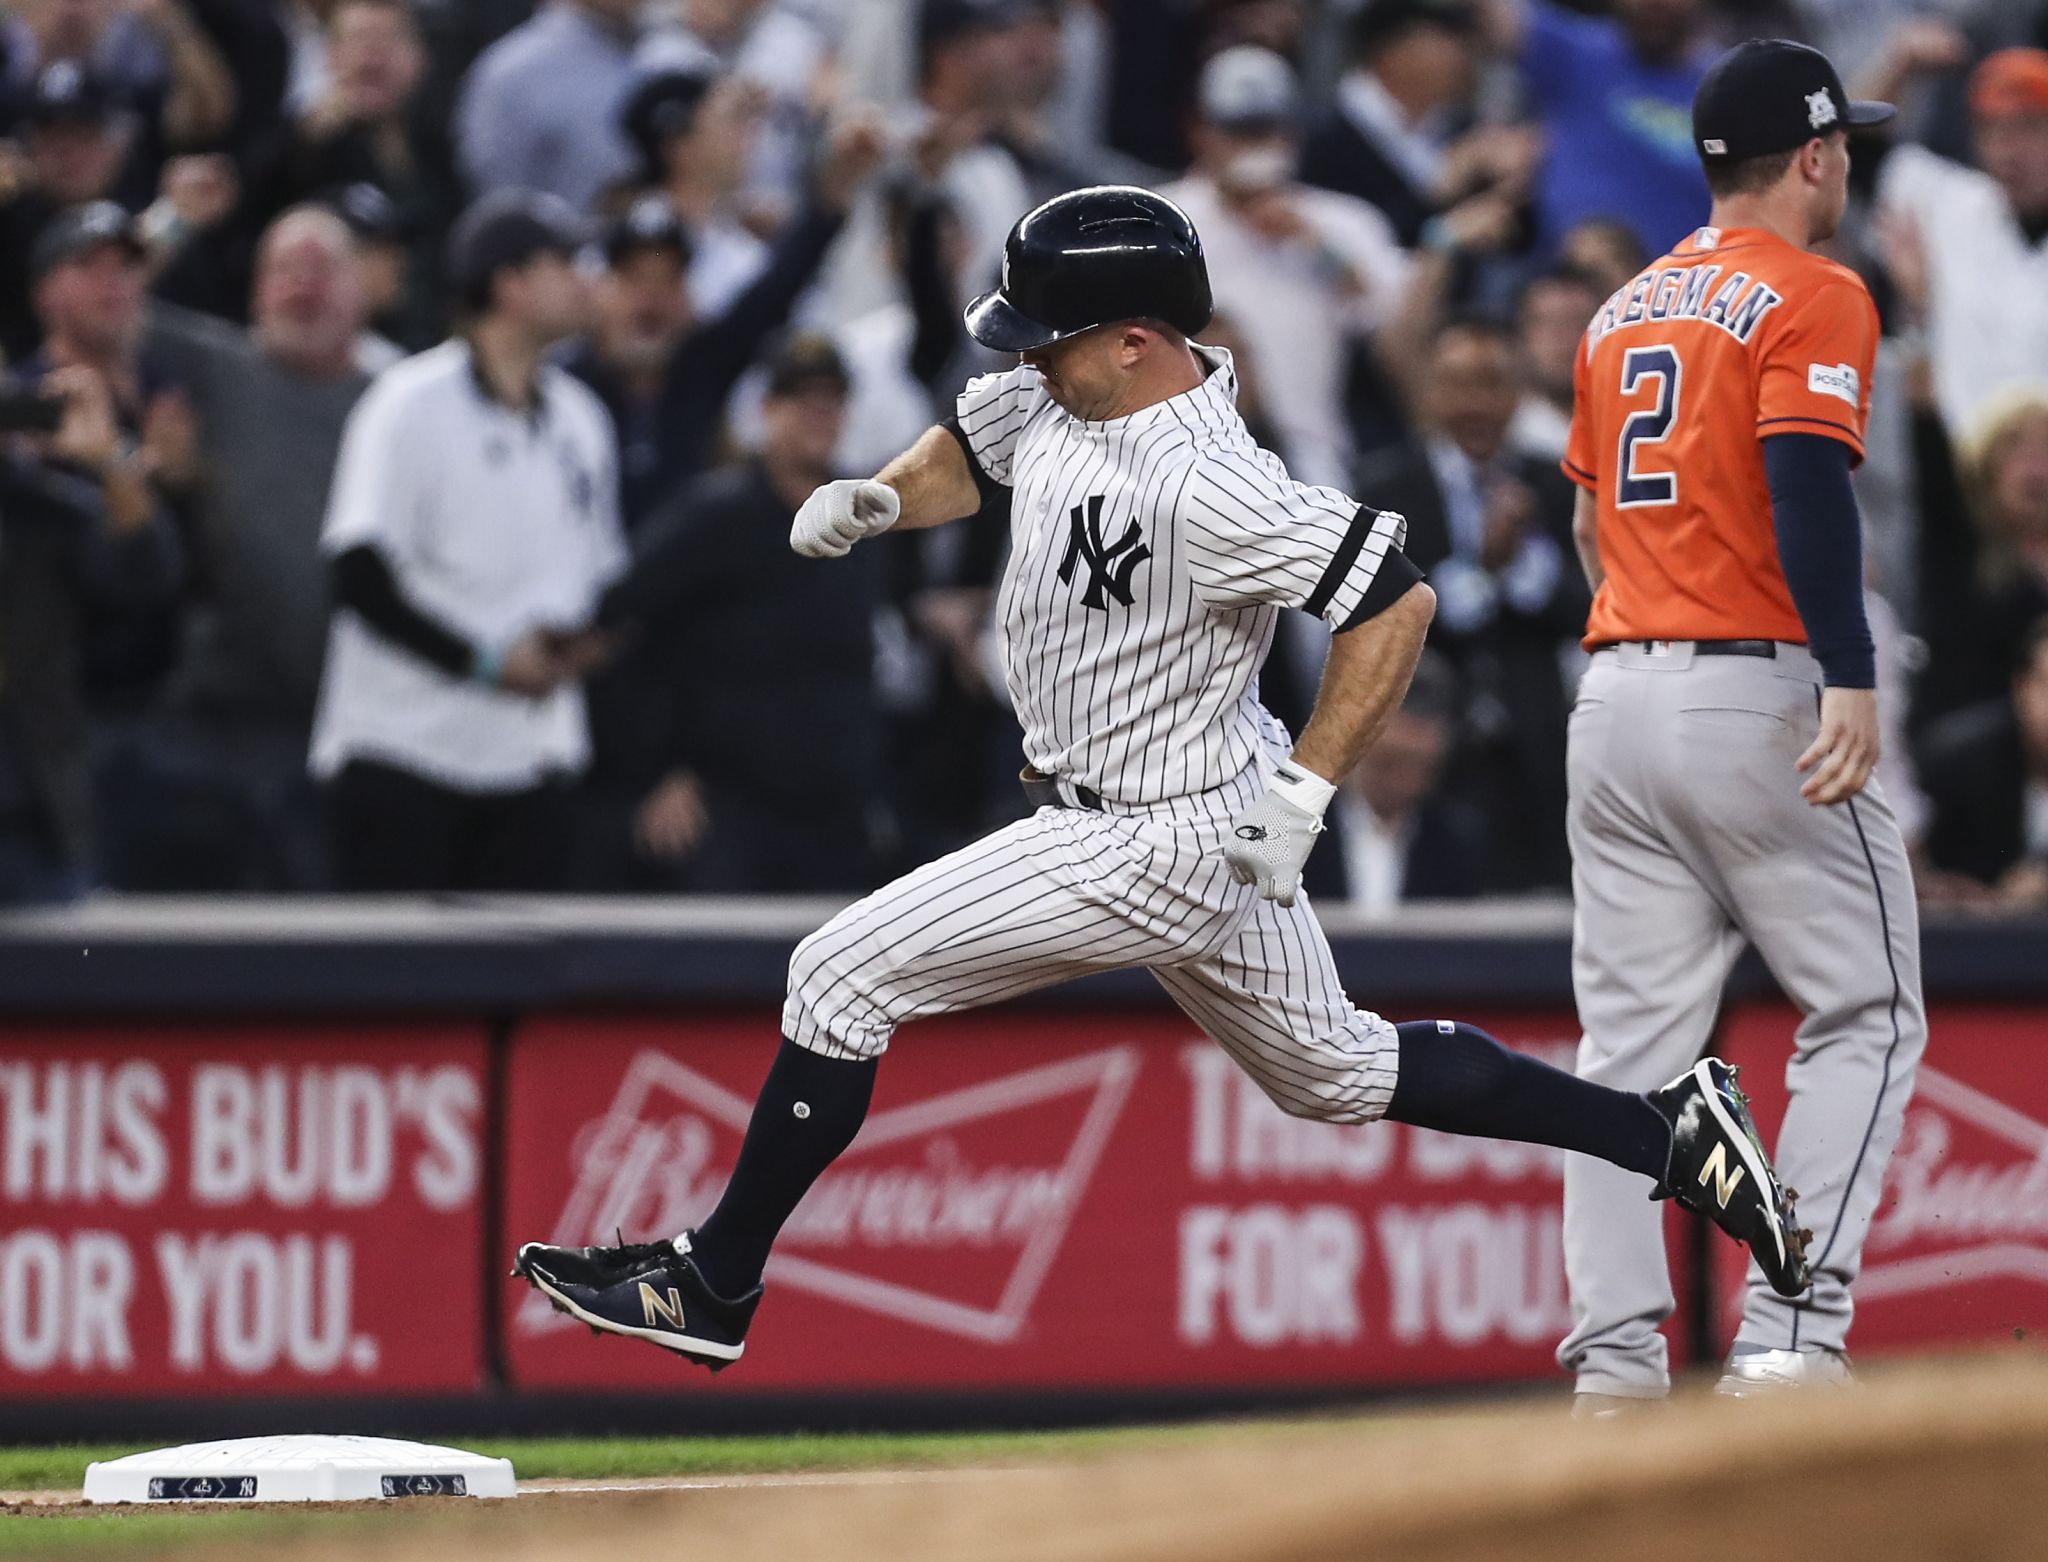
[(1723, 739)]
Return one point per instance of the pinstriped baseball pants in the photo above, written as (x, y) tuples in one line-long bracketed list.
[(1068, 892)]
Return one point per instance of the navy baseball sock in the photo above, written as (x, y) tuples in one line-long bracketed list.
[(808, 1111), (1456, 1078)]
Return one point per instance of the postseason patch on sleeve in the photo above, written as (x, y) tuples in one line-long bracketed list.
[(1835, 379)]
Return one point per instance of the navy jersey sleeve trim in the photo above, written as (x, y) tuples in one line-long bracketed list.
[(987, 486), (1820, 546), (1396, 578), (1849, 435), (1341, 561)]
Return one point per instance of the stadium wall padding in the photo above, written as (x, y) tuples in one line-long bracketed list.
[(265, 1160)]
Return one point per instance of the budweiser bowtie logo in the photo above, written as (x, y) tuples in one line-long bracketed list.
[(1967, 1196), (946, 1212)]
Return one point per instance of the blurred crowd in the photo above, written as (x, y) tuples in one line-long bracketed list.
[(406, 401)]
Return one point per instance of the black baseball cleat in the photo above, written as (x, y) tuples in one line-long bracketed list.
[(649, 1291), (1718, 1167)]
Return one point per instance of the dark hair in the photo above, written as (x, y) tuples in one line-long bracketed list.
[(479, 295), (1562, 274), (1614, 231), (1380, 24), (1490, 327), (1748, 175)]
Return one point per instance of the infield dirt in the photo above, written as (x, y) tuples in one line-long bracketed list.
[(1930, 1461)]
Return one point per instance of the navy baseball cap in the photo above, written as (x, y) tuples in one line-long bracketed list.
[(801, 359), (79, 230), (370, 213), (1771, 95), (650, 223), (1247, 88), (68, 93), (510, 228)]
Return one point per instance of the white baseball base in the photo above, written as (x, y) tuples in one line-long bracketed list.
[(298, 1469)]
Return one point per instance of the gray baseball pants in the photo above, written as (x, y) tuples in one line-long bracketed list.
[(1689, 838)]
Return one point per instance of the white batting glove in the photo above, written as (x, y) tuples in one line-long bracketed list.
[(1271, 840), (840, 514)]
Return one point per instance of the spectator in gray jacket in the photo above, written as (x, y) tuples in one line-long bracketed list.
[(270, 403)]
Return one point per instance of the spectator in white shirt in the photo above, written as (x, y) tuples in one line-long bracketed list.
[(1982, 233), (1307, 275), (473, 523)]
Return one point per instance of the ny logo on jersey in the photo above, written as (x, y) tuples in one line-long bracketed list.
[(1110, 566)]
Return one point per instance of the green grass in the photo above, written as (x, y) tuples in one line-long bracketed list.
[(63, 1468), (118, 1532), (203, 1531), (586, 1459)]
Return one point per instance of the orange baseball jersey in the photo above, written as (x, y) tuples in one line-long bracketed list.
[(1734, 336)]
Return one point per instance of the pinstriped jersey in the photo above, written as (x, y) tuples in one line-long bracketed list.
[(1150, 556)]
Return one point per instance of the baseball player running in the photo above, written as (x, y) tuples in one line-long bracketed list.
[(1722, 743), (1153, 548)]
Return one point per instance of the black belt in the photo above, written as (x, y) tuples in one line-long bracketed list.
[(1764, 648), (1043, 791)]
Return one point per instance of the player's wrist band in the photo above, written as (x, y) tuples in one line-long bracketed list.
[(488, 665), (1303, 788)]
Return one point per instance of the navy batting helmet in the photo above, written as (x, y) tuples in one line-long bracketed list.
[(1090, 257)]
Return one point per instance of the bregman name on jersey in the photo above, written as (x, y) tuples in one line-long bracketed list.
[(1737, 306)]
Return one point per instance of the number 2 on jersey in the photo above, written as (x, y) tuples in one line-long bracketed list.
[(1647, 427)]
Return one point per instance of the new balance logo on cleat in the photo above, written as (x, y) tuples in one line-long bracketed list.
[(650, 1291), (1725, 1181), (1719, 1169), (669, 1312)]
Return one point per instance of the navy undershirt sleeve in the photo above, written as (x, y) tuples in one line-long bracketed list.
[(1820, 545), (363, 581)]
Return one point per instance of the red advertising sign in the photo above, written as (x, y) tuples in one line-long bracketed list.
[(1041, 1200), (1959, 1249), (240, 1210)]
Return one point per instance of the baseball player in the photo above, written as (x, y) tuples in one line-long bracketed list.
[(1722, 743), (1153, 548)]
